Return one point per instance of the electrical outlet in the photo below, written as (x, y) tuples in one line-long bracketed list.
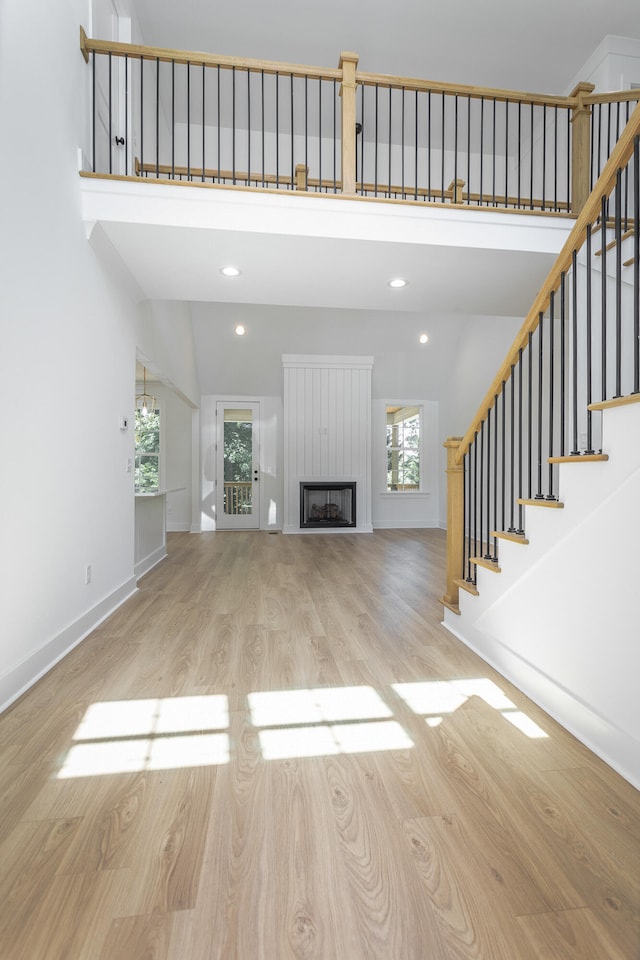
[(87, 573)]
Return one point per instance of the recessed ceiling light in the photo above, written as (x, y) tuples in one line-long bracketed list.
[(240, 331), (230, 271), (397, 282), (423, 338)]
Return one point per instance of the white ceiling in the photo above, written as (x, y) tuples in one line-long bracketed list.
[(513, 44), (538, 46)]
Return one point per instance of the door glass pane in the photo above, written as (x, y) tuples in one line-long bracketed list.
[(238, 462)]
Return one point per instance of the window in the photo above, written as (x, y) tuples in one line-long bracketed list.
[(404, 447), (147, 441)]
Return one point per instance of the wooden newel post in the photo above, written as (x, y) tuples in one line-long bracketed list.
[(348, 64), (580, 147), (302, 172), (455, 523)]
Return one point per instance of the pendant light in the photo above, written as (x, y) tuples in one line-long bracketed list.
[(144, 401)]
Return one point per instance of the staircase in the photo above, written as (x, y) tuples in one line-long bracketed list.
[(544, 488), (561, 619)]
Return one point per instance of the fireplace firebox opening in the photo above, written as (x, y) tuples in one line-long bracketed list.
[(324, 505)]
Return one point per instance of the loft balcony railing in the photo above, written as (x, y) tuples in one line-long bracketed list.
[(577, 353), (168, 115)]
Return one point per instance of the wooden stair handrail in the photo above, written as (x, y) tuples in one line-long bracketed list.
[(591, 210), (198, 58)]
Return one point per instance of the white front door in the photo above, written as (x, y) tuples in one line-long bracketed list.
[(237, 465)]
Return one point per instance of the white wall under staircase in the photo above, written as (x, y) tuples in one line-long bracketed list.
[(562, 619)]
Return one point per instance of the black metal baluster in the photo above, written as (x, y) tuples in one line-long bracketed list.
[(530, 414), (455, 148), (429, 145), (218, 119), (531, 161), (493, 151), (126, 115), (415, 172), (470, 520), (189, 121), (293, 169), (589, 360), (574, 352), (495, 474), (157, 116), (487, 555), (320, 133), (389, 176), (110, 125), (262, 119), (519, 528), (362, 135), (375, 156), (94, 64), (402, 141), (512, 453), (173, 119), (603, 294), (503, 458), (335, 140), (142, 115), (539, 495), (636, 265), (550, 494), (442, 158), (481, 491), (249, 125), (481, 144), (599, 160), (544, 154), (618, 237), (563, 364), (306, 130), (475, 501), (568, 160), (506, 152), (555, 158), (469, 102), (592, 144), (519, 149), (465, 516)]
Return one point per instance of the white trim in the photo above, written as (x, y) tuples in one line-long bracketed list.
[(149, 562), (315, 361), (178, 527), (20, 678), (404, 524), (361, 528), (615, 746)]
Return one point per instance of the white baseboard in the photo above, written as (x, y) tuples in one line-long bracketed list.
[(18, 679), (404, 524), (361, 528), (149, 562), (616, 747), (178, 526)]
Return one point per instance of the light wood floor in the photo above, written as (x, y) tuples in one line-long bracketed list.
[(401, 836)]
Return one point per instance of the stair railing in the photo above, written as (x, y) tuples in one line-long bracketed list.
[(577, 351), (201, 118)]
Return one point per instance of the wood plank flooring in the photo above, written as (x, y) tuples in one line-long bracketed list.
[(153, 808)]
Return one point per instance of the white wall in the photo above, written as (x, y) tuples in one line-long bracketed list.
[(576, 653), (67, 361)]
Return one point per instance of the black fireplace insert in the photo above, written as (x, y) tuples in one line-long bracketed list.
[(324, 505)]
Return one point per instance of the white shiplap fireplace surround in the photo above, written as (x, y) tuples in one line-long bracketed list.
[(327, 431)]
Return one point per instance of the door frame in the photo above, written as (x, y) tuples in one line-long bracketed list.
[(234, 521)]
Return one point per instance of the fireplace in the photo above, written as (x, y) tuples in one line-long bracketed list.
[(326, 505)]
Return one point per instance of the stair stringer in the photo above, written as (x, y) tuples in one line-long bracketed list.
[(562, 620)]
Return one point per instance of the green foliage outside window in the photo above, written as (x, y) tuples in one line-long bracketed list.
[(237, 451), (147, 444), (403, 448)]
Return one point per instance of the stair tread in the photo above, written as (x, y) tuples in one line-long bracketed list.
[(485, 564), (616, 402), (581, 458), (612, 243), (513, 537), (468, 587), (555, 504)]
